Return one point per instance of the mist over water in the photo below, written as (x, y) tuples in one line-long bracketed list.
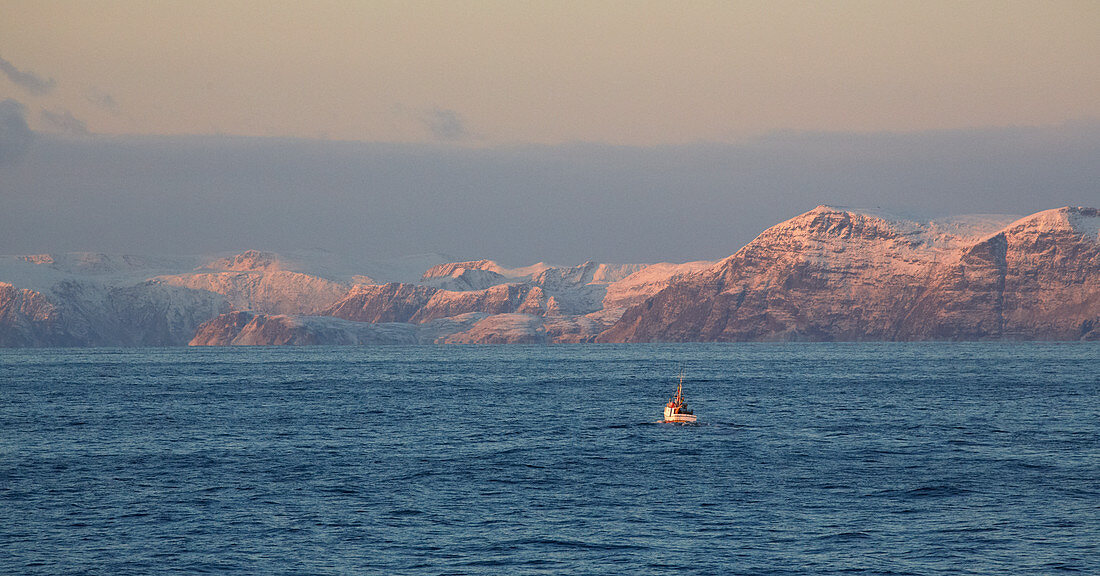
[(809, 459)]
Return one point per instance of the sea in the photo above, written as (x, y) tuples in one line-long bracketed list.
[(916, 458)]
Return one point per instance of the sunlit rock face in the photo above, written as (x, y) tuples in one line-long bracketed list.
[(452, 269), (835, 274), (536, 304), (393, 302), (1052, 284), (222, 330), (248, 261), (27, 318), (275, 292), (262, 282)]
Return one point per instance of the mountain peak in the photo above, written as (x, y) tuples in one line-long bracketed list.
[(247, 261), (452, 269), (829, 222), (1079, 220)]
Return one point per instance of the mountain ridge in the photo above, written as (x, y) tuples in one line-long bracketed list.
[(831, 273)]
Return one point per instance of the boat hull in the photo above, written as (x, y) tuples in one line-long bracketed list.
[(678, 418)]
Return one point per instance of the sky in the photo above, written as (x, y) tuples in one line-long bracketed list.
[(526, 131)]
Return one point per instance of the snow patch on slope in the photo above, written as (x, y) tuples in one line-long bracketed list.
[(502, 329), (319, 263), (969, 228), (273, 291), (247, 261), (41, 272), (406, 270), (1078, 220), (649, 280), (846, 238), (453, 269), (464, 279), (1086, 221)]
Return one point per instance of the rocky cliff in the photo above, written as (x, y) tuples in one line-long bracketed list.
[(27, 318), (836, 274)]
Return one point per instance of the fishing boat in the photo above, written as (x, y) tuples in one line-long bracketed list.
[(676, 411)]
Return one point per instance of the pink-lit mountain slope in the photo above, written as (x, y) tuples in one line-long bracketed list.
[(86, 299), (261, 281), (836, 274), (467, 302)]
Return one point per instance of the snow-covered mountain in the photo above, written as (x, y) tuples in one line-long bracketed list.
[(264, 282), (839, 274), (84, 299), (559, 304), (259, 297), (829, 274)]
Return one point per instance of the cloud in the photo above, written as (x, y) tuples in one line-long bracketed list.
[(15, 135), (29, 81), (63, 121), (446, 124), (101, 99)]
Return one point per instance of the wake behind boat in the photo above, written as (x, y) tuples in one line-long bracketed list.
[(676, 411)]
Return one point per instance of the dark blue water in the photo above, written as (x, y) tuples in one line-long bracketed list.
[(810, 459)]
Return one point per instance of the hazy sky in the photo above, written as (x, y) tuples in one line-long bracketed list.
[(633, 72), (529, 130)]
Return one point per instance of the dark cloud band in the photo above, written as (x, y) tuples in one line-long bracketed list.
[(29, 81), (516, 204), (63, 121), (15, 135), (446, 125)]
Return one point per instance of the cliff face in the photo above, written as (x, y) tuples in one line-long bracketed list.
[(221, 330), (964, 300), (251, 329), (834, 274), (28, 319), (271, 291), (391, 302), (501, 299), (1052, 284)]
